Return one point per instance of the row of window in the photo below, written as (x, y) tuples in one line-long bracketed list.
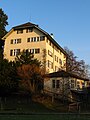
[(50, 65), (34, 51), (27, 30), (15, 41), (56, 58), (15, 52), (56, 84), (32, 39), (75, 83), (52, 45), (36, 39)]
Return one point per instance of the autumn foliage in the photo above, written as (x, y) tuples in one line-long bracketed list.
[(31, 77)]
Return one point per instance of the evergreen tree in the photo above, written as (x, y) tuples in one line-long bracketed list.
[(3, 23), (26, 57)]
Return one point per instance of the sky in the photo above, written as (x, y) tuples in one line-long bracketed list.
[(68, 20)]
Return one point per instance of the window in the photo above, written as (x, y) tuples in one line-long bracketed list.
[(56, 58), (60, 52), (53, 83), (42, 38), (11, 52), (12, 41), (60, 61), (17, 51), (56, 49), (64, 65), (52, 46), (37, 39), (56, 68), (32, 51), (15, 41), (50, 53), (83, 84), (29, 30), (57, 83), (19, 31), (28, 39), (37, 51), (50, 43), (72, 84), (32, 39), (78, 84), (14, 52), (18, 41), (50, 64)]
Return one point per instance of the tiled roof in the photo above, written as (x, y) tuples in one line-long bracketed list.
[(63, 73)]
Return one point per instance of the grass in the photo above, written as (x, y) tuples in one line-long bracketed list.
[(44, 117), (21, 109), (38, 105)]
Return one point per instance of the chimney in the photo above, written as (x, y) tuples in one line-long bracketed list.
[(52, 35)]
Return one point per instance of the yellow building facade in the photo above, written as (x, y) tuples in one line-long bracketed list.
[(31, 37)]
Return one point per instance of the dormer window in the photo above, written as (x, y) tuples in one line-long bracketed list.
[(19, 31), (42, 38), (29, 30)]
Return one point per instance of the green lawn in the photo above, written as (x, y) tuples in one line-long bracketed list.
[(44, 117)]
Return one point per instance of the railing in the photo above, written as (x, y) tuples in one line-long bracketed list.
[(74, 105)]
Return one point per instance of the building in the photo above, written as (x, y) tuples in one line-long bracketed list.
[(54, 81), (31, 37), (64, 83)]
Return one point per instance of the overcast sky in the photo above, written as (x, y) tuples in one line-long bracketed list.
[(68, 20)]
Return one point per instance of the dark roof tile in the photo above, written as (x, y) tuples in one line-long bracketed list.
[(29, 24), (63, 73)]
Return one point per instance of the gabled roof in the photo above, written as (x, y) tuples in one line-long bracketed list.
[(28, 25), (63, 74)]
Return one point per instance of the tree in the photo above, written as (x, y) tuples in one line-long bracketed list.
[(30, 72), (1, 44), (31, 78), (26, 57), (8, 77), (74, 66), (3, 23)]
